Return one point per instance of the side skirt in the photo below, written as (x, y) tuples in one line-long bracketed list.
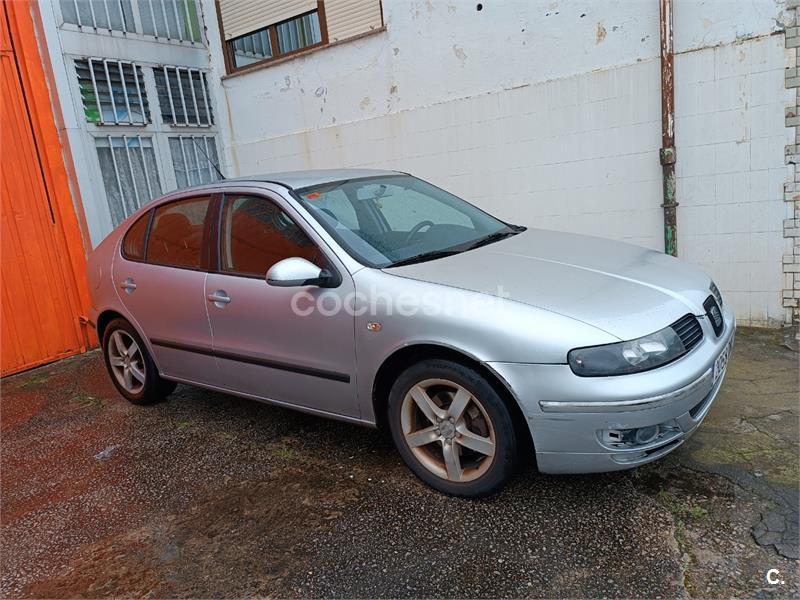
[(265, 400)]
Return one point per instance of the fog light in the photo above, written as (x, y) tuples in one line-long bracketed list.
[(645, 435), (638, 436)]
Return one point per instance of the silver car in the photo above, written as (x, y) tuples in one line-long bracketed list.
[(379, 299)]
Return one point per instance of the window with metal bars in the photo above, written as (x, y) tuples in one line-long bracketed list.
[(194, 158), (114, 15), (275, 41), (171, 19), (113, 92), (183, 96), (130, 173)]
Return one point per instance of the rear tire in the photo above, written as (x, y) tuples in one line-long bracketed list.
[(131, 367), (452, 428)]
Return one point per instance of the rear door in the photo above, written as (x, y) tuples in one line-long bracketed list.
[(294, 345), (161, 276)]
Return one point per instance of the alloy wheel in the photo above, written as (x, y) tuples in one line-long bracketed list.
[(127, 361), (448, 430)]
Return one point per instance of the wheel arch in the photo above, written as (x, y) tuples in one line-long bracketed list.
[(105, 317), (404, 357)]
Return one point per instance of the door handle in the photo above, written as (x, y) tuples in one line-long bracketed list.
[(219, 297), (128, 285)]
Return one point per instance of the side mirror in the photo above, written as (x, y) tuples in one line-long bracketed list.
[(296, 272)]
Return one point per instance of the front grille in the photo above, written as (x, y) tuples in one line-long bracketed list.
[(688, 330), (714, 315)]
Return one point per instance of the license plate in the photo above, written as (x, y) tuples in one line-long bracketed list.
[(722, 361)]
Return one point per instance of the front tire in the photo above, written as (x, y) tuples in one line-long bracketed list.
[(130, 365), (452, 428)]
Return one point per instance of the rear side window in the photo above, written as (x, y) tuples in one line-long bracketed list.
[(176, 236), (134, 240)]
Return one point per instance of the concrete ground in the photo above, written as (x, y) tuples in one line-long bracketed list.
[(208, 495)]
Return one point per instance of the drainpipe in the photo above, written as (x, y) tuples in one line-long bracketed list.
[(667, 153)]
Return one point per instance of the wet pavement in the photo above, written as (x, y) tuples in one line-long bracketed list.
[(208, 495)]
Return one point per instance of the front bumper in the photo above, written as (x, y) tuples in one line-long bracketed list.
[(569, 415)]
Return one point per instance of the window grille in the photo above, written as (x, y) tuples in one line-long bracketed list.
[(183, 96), (171, 19), (114, 15), (130, 173), (113, 92), (194, 159)]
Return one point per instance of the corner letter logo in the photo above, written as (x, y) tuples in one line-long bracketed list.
[(772, 577)]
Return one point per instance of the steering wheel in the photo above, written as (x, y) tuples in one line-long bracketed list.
[(416, 229)]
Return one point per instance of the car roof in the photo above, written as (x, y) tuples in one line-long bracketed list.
[(301, 179)]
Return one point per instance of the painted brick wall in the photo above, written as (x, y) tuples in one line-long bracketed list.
[(581, 154), (730, 132), (791, 226)]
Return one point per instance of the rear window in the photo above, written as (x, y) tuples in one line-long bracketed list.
[(134, 240), (176, 236)]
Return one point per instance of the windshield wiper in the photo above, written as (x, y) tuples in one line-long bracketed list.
[(492, 237), (434, 254), (425, 256)]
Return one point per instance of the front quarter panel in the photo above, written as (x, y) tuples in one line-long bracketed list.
[(480, 326)]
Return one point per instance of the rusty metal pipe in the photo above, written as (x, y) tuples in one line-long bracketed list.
[(667, 153)]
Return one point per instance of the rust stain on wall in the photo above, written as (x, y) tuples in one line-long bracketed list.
[(601, 33)]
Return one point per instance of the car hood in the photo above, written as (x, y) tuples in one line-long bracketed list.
[(625, 290)]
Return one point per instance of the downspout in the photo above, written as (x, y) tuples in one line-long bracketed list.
[(667, 153)]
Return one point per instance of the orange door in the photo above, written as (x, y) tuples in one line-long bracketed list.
[(42, 278)]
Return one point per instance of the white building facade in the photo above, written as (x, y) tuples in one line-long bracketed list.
[(547, 114), (138, 111)]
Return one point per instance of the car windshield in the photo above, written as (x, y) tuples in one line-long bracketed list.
[(398, 219)]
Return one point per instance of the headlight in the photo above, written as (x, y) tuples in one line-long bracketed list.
[(623, 358), (715, 292)]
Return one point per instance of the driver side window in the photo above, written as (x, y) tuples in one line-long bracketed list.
[(256, 234)]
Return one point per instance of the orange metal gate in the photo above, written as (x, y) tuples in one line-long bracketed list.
[(42, 277)]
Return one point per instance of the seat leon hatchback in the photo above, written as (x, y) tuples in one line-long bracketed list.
[(376, 298)]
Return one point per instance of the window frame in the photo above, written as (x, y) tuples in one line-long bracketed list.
[(134, 29), (174, 97), (213, 169), (216, 254), (125, 136), (159, 129), (272, 30), (210, 233), (136, 95)]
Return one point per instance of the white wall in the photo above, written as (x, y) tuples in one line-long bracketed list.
[(548, 114)]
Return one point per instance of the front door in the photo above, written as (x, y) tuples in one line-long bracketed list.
[(290, 345), (163, 287)]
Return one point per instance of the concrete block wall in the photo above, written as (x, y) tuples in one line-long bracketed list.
[(730, 136), (558, 126), (791, 225), (580, 154)]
